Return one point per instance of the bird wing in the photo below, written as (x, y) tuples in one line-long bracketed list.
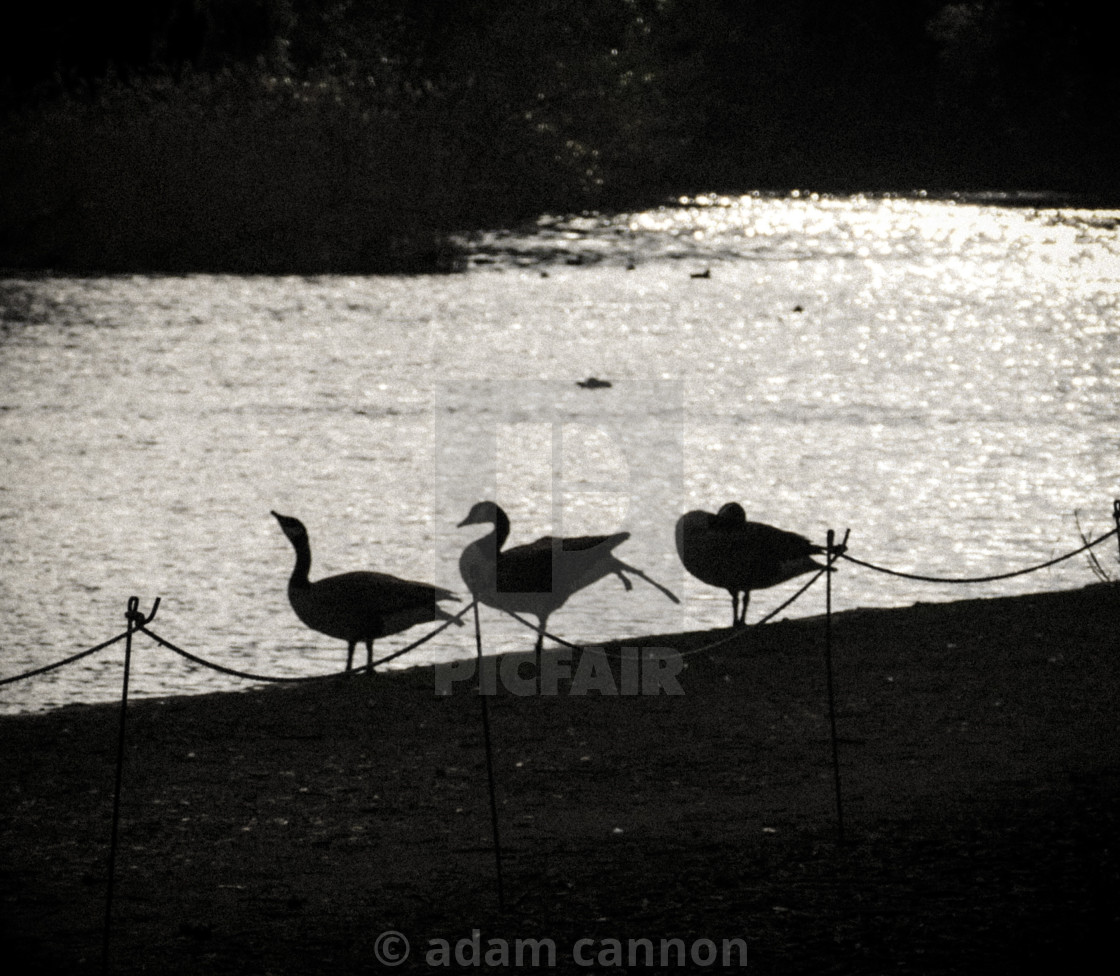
[(741, 556), (380, 592), (365, 605), (779, 555), (554, 565), (780, 544), (526, 569), (582, 542)]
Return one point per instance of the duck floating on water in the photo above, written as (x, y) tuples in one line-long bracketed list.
[(360, 606), (593, 383), (538, 577), (727, 551)]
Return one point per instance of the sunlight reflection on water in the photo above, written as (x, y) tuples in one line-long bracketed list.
[(941, 376)]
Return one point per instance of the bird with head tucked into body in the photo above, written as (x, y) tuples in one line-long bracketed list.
[(727, 551)]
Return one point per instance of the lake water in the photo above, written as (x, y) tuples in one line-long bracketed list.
[(940, 376)]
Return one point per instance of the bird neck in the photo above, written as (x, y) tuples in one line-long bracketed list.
[(481, 556), (299, 579), (501, 529)]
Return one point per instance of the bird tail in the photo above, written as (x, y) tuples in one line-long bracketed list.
[(796, 567), (626, 567)]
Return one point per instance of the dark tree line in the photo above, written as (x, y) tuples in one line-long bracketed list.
[(504, 108), (827, 86)]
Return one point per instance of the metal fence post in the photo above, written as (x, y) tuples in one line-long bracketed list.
[(136, 620)]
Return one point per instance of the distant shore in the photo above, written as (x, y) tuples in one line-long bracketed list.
[(425, 246), (283, 829)]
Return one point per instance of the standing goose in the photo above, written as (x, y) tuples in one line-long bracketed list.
[(726, 550), (358, 606), (538, 577)]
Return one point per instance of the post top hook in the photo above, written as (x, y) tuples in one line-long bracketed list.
[(840, 548), (134, 616)]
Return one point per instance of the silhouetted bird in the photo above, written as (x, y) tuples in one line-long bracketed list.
[(593, 383), (538, 577), (360, 606), (706, 273), (726, 550)]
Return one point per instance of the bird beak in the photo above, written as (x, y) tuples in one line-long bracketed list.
[(466, 521)]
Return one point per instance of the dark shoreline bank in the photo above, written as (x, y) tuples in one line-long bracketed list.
[(283, 829)]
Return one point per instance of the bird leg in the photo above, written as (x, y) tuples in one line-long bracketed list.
[(350, 655), (743, 612), (625, 581), (734, 608), (369, 656)]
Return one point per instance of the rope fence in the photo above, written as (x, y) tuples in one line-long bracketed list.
[(835, 552), (981, 579), (138, 623), (840, 553), (60, 664), (221, 668), (294, 679)]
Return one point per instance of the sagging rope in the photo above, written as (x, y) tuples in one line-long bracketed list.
[(314, 677), (60, 664), (233, 672), (840, 552), (980, 579), (140, 622)]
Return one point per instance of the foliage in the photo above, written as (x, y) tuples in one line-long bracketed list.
[(304, 134)]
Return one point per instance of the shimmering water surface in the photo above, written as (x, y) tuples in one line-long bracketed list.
[(942, 377)]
